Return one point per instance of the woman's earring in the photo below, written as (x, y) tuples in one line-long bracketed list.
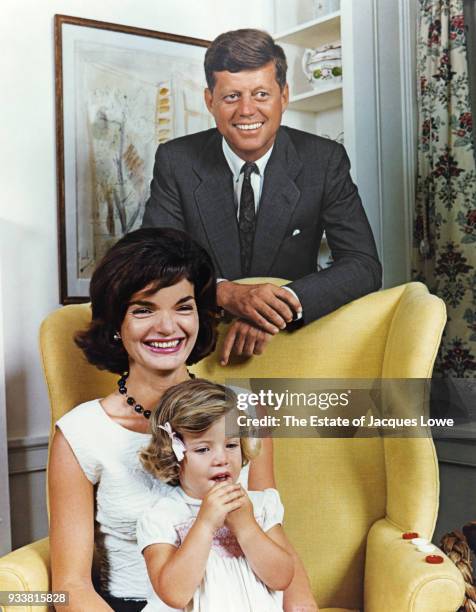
[(116, 337)]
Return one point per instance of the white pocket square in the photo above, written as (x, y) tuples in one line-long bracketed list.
[(296, 232)]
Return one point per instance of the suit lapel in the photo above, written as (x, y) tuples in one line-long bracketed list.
[(215, 201), (278, 201)]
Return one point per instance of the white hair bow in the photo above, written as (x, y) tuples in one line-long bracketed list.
[(177, 445)]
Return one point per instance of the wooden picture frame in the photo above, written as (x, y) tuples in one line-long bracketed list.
[(120, 92)]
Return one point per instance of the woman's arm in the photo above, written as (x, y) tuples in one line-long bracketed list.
[(261, 474), (71, 529), (298, 596)]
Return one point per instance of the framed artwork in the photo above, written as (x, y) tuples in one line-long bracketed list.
[(120, 92)]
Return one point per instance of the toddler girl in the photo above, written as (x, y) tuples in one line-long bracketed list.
[(209, 545)]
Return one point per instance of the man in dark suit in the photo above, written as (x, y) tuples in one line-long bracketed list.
[(258, 196)]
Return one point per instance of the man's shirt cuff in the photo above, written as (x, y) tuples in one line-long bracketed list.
[(298, 315)]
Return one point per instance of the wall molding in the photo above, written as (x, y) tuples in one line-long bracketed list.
[(27, 455)]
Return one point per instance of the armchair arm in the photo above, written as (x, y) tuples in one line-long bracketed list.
[(26, 569), (397, 578)]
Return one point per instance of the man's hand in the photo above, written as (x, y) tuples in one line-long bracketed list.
[(243, 338), (266, 305)]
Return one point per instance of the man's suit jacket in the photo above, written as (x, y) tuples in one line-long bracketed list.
[(307, 190)]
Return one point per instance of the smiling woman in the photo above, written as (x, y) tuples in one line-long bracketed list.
[(160, 329), (153, 313), (125, 287)]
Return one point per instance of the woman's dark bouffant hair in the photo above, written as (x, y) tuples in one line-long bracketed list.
[(154, 258)]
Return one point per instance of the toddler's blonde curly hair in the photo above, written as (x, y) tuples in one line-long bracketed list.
[(190, 407)]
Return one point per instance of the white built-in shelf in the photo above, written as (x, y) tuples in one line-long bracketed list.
[(317, 99), (314, 33)]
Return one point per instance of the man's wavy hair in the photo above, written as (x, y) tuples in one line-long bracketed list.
[(150, 258), (245, 49), (190, 407)]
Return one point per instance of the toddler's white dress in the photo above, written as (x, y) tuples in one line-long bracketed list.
[(229, 583)]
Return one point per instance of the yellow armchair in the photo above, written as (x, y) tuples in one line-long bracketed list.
[(347, 501)]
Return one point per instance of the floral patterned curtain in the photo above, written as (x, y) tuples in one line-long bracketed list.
[(444, 255)]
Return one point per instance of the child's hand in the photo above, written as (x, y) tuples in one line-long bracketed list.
[(220, 500), (241, 518)]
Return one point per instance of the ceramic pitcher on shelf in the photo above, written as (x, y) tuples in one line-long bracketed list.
[(323, 65)]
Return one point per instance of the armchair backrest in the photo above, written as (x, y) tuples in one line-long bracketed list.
[(70, 379), (333, 489)]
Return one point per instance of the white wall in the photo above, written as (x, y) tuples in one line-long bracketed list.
[(28, 225)]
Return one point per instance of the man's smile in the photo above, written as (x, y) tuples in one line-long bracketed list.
[(249, 126)]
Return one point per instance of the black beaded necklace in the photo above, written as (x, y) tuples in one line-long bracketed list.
[(121, 383)]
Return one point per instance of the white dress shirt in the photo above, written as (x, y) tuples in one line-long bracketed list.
[(257, 180)]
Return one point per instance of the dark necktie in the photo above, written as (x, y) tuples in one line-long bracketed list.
[(247, 217)]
